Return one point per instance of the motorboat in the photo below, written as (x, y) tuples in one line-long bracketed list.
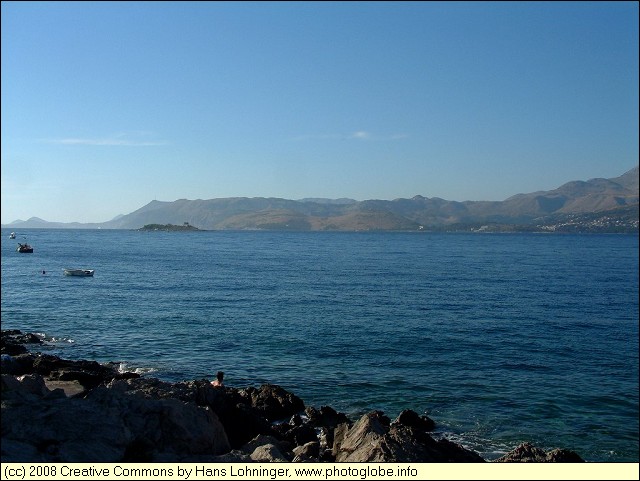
[(78, 272), (24, 248), (12, 235)]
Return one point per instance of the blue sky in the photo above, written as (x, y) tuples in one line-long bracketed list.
[(107, 106)]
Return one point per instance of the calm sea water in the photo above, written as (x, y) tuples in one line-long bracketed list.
[(501, 339)]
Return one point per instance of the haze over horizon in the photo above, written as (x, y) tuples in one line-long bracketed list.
[(108, 106)]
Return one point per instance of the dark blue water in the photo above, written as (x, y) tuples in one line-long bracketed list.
[(501, 339)]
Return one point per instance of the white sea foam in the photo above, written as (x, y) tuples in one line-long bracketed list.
[(125, 367), (53, 339)]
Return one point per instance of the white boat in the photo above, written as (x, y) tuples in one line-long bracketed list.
[(78, 272), (12, 235)]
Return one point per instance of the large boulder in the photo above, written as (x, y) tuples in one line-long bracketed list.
[(109, 425), (240, 421)]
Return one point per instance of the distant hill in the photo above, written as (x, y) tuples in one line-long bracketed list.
[(317, 200), (607, 198)]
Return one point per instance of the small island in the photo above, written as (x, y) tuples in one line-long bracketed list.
[(169, 227)]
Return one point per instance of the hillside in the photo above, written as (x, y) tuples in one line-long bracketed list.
[(575, 198)]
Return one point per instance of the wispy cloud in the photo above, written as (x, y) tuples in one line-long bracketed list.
[(77, 141), (361, 135), (118, 140)]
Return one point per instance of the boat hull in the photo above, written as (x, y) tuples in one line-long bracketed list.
[(78, 272), (25, 249)]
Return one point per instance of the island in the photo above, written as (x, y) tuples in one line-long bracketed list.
[(169, 227)]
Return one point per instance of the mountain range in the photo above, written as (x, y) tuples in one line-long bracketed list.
[(604, 198)]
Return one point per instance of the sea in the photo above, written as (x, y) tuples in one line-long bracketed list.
[(499, 338)]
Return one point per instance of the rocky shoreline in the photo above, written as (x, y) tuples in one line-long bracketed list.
[(57, 410)]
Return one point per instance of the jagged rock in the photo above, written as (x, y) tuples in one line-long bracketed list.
[(26, 388), (374, 439), (309, 452), (445, 451), (528, 453), (10, 384), (33, 384), (411, 419), (18, 364), (296, 420), (350, 444), (70, 388), (273, 402), (233, 456), (563, 456), (88, 373), (269, 453), (12, 342), (298, 433), (326, 416), (326, 439), (325, 420), (259, 440)]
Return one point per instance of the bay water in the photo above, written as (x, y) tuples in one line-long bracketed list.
[(499, 338)]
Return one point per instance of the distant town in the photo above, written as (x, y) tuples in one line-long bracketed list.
[(621, 221)]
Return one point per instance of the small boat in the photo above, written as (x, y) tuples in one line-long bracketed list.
[(12, 235), (25, 248), (78, 272)]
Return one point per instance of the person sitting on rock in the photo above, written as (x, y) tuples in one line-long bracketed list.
[(217, 382)]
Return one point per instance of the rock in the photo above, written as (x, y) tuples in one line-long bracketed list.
[(233, 456), (12, 342), (374, 439), (363, 441), (411, 419), (298, 433), (70, 388), (7, 364), (563, 456), (243, 424), (309, 452), (528, 453), (269, 453), (18, 364), (10, 384), (273, 402), (109, 425), (326, 416), (33, 384), (259, 440), (88, 373)]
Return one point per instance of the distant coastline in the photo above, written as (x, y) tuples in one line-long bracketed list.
[(595, 206)]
